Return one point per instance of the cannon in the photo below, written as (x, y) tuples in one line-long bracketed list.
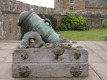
[(54, 59), (31, 22)]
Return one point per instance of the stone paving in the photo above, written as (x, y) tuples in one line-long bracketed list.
[(97, 61)]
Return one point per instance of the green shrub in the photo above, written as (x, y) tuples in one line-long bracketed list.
[(81, 20), (70, 22)]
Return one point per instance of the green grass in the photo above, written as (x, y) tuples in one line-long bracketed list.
[(84, 35)]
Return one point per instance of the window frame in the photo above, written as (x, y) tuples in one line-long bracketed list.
[(58, 1), (71, 1), (71, 8)]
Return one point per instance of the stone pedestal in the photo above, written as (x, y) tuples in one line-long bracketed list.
[(105, 37), (41, 62)]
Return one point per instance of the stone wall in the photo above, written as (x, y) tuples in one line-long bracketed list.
[(94, 19), (84, 5), (97, 5), (79, 5), (10, 10), (58, 4)]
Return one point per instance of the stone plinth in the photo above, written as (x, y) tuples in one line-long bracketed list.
[(105, 37), (41, 62)]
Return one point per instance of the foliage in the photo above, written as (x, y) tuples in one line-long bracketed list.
[(81, 20), (70, 22)]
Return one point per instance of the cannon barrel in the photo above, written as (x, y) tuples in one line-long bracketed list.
[(30, 21)]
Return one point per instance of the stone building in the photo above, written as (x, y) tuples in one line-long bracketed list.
[(84, 5)]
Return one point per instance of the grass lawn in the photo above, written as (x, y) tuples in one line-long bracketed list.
[(84, 35)]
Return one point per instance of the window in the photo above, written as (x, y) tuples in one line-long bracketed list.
[(58, 1), (71, 8), (71, 1)]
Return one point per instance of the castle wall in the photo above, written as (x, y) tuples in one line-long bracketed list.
[(10, 10), (84, 5), (79, 5), (96, 5), (65, 4), (58, 4)]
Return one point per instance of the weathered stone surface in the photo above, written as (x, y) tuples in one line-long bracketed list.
[(9, 46), (4, 53), (100, 68), (25, 7), (2, 44), (65, 4), (92, 76), (19, 6), (95, 4), (94, 58), (105, 37), (92, 46), (101, 44), (36, 55), (1, 60), (84, 5), (9, 59), (104, 78), (102, 54), (40, 60), (50, 69), (44, 79), (5, 71)]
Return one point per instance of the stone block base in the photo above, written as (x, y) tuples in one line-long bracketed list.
[(105, 37), (42, 63)]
